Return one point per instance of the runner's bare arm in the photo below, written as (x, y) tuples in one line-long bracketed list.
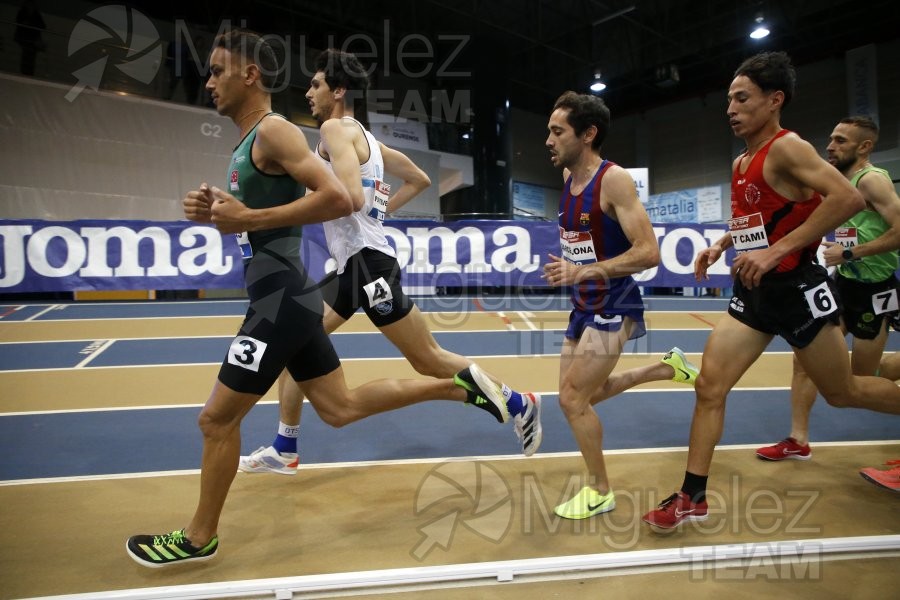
[(414, 179)]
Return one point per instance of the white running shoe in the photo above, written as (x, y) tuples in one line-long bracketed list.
[(267, 459), (528, 425)]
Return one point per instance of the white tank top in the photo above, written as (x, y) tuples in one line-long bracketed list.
[(363, 229)]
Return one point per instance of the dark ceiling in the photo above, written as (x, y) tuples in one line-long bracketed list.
[(536, 49)]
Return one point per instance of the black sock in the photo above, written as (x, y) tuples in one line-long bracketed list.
[(694, 486)]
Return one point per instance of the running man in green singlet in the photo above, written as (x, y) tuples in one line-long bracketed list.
[(283, 326)]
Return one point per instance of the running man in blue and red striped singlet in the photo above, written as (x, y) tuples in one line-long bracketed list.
[(604, 236)]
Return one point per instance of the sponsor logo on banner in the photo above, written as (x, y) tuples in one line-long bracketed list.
[(109, 255)]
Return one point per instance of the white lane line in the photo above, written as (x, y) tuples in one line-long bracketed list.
[(524, 315), (343, 360), (428, 461), (27, 413), (43, 312), (794, 554), (94, 352), (505, 319)]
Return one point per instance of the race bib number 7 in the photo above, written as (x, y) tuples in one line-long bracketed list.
[(885, 302)]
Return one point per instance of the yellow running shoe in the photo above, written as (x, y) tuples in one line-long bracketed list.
[(685, 372), (586, 503)]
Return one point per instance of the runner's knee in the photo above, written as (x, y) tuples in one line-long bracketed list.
[(214, 425), (839, 398), (572, 402), (335, 411), (429, 363), (710, 392)]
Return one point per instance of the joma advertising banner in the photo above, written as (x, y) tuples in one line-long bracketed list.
[(45, 256)]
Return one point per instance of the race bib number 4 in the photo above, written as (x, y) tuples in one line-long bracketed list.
[(378, 291), (748, 233), (577, 247)]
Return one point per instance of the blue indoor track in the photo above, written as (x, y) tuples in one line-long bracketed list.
[(164, 437)]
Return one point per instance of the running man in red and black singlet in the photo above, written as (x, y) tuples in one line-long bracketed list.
[(785, 197), (865, 256)]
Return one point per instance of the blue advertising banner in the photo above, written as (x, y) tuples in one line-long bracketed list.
[(51, 256), (45, 256)]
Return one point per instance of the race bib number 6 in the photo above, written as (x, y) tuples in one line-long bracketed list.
[(820, 300)]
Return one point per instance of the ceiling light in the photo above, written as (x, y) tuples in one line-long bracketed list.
[(597, 86), (761, 30)]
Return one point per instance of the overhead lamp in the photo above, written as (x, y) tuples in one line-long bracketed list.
[(598, 86), (761, 30)]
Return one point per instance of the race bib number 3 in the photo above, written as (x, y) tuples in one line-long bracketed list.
[(748, 233), (246, 352), (378, 291), (820, 300)]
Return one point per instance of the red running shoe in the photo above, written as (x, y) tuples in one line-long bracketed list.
[(786, 449), (889, 479), (674, 510)]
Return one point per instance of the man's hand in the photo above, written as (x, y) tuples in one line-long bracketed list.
[(229, 214), (559, 272), (752, 265), (705, 260), (197, 205), (833, 254)]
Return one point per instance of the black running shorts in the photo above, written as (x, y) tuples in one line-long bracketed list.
[(371, 281), (866, 305), (282, 328), (795, 305)]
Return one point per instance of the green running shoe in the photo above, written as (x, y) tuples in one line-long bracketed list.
[(685, 372), (586, 503), (156, 551), (482, 392)]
